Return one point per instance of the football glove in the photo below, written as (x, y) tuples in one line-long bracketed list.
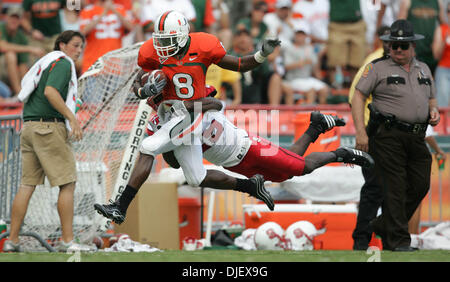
[(269, 46)]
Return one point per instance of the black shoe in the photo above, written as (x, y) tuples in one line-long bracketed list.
[(405, 249), (260, 192), (324, 123), (111, 211), (353, 156)]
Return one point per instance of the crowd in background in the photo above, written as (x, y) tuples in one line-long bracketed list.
[(324, 42)]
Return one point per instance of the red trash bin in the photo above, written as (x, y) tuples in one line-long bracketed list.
[(189, 218)]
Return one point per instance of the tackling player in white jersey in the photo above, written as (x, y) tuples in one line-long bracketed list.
[(225, 145)]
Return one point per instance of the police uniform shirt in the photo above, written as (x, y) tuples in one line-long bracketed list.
[(398, 92)]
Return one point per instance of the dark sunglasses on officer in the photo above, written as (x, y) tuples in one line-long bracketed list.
[(403, 45)]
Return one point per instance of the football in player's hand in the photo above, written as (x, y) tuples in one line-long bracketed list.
[(144, 78), (157, 77)]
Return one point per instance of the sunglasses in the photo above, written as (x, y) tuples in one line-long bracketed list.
[(402, 45)]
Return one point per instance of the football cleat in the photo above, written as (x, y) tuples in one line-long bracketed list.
[(259, 191), (111, 211), (324, 122), (353, 156)]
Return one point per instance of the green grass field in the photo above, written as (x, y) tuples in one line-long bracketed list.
[(234, 256)]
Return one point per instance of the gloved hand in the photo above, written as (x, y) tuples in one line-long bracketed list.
[(269, 45), (154, 85)]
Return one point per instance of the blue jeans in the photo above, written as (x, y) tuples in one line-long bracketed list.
[(5, 92), (442, 77)]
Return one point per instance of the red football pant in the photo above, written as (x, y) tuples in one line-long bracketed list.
[(276, 164)]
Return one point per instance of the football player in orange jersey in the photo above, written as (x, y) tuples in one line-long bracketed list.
[(184, 58)]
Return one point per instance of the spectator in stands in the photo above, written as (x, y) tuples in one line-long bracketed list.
[(204, 15), (42, 22), (387, 14), (222, 26), (281, 23), (254, 22), (70, 16), (16, 49), (44, 140), (104, 24), (441, 52), (259, 82), (316, 14), (303, 69), (425, 17), (346, 39), (133, 12), (152, 9), (5, 92)]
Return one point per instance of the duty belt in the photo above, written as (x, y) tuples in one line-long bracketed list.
[(416, 128)]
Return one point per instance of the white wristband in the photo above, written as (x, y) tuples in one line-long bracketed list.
[(259, 57)]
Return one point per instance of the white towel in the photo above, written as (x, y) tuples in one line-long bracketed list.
[(31, 79)]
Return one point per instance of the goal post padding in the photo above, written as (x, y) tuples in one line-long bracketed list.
[(113, 122)]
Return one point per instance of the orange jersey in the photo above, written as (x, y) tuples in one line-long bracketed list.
[(106, 35), (186, 77)]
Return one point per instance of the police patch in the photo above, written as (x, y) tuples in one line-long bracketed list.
[(367, 70)]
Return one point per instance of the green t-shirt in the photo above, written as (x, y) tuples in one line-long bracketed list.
[(345, 11), (19, 38), (424, 15), (45, 15), (57, 75), (262, 29)]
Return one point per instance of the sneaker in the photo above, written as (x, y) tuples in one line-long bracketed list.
[(353, 156), (72, 247), (324, 122), (260, 191), (111, 211), (9, 246)]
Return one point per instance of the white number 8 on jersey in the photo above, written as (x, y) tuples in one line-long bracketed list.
[(183, 81)]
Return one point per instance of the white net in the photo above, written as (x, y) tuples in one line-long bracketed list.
[(107, 116)]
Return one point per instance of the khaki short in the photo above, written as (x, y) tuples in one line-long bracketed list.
[(346, 44), (46, 151)]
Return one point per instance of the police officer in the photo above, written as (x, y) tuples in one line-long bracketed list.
[(404, 103)]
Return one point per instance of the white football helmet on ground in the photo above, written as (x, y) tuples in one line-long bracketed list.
[(269, 236), (300, 235), (171, 33)]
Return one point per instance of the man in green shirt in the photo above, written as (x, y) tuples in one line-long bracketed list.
[(42, 21), (425, 16), (346, 38)]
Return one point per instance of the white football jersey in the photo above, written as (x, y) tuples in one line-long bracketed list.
[(223, 143)]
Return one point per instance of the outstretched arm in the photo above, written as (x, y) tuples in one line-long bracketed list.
[(246, 63)]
